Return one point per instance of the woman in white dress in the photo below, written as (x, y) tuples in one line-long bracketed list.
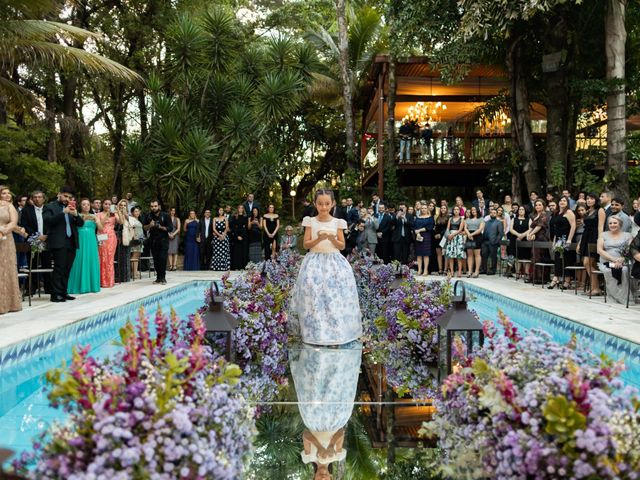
[(326, 381), (325, 298)]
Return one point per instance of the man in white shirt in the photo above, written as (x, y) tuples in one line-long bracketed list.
[(31, 221)]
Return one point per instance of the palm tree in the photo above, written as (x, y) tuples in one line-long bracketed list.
[(26, 42), (365, 41)]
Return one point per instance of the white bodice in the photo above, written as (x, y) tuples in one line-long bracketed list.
[(332, 226)]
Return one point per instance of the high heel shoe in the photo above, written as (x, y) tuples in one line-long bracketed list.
[(553, 284)]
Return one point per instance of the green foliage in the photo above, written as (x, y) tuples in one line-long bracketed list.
[(416, 464), (583, 164), (563, 417), (392, 193), (23, 161)]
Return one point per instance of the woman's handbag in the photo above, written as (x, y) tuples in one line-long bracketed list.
[(128, 233), (443, 241)]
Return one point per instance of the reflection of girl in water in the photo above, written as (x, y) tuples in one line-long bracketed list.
[(326, 380), (325, 297)]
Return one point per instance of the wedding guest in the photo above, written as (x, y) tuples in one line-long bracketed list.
[(308, 209), (250, 204), (255, 236), (401, 236), (174, 240), (125, 232), (85, 272), (96, 206), (519, 230), (439, 237), (385, 228), (239, 236), (205, 239), (611, 248), (61, 222), (158, 224), (580, 212), (130, 201), (270, 226), (289, 241), (474, 230), (491, 236), (507, 206), (605, 211), (454, 249), (617, 208), (590, 236), (137, 244), (31, 220), (564, 229), (10, 300), (423, 225), (371, 224), (108, 242), (221, 256), (191, 246), (538, 229)]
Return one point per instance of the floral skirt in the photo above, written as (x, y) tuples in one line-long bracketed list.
[(324, 304), (455, 248)]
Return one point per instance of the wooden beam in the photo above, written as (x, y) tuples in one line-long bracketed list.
[(444, 98), (380, 130)]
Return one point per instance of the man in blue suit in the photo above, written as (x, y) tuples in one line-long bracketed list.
[(61, 222)]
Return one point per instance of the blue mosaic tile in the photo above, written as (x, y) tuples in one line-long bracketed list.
[(561, 329)]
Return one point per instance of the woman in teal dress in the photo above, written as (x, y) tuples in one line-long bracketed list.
[(85, 272)]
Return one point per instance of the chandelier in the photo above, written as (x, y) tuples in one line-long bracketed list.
[(425, 112), (494, 122)]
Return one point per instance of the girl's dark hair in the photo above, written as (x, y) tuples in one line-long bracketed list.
[(596, 205), (471, 210), (134, 208), (324, 191), (568, 205)]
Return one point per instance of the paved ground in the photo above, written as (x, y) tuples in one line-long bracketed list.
[(43, 315)]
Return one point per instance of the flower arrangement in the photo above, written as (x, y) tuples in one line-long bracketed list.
[(163, 408), (527, 407), (560, 245), (259, 299), (374, 281), (37, 245), (408, 336)]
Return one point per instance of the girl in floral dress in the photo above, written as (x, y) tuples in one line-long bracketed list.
[(325, 299)]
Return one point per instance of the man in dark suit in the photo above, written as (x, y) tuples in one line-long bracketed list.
[(401, 236), (375, 202), (250, 204), (529, 207), (385, 228), (205, 237), (308, 209), (351, 212), (32, 221), (61, 221), (159, 226)]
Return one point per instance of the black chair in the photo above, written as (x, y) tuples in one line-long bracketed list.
[(572, 268), (548, 246), (520, 244), (29, 270), (592, 249)]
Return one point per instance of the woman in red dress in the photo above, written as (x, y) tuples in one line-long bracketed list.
[(108, 242)]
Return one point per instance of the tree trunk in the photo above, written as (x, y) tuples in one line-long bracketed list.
[(615, 38), (391, 110), (521, 116), (345, 78)]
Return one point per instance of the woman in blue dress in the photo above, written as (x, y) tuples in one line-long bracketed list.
[(191, 246), (325, 298), (326, 381), (423, 227)]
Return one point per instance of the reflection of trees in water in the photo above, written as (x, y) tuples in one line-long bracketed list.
[(279, 443)]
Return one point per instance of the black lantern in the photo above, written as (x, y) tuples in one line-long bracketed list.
[(218, 321), (457, 321)]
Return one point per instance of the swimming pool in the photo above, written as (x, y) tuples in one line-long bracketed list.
[(24, 409), (486, 303)]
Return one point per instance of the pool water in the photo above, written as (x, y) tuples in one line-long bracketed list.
[(486, 304), (24, 409)]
